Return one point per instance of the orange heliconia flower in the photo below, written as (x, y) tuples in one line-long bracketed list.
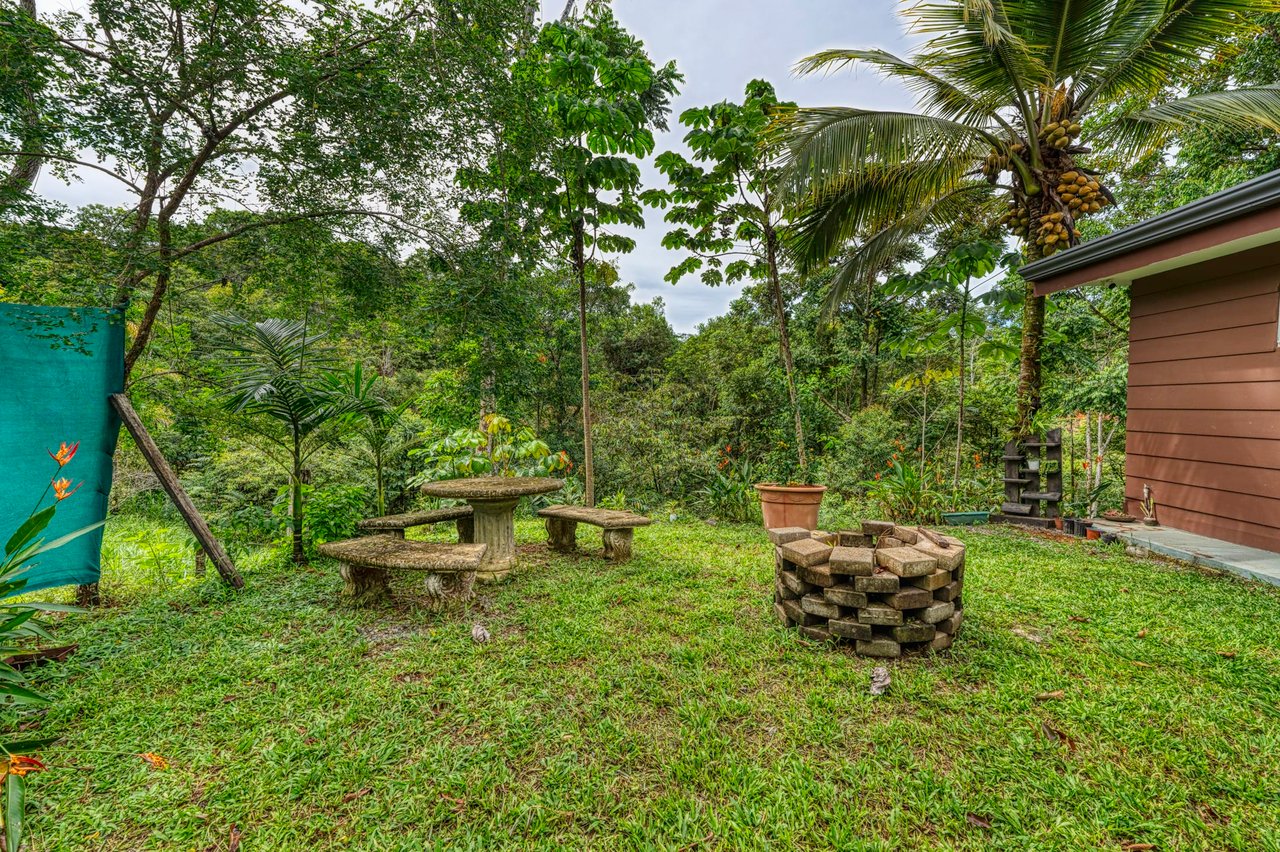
[(65, 453), (156, 761), (20, 765), (60, 487)]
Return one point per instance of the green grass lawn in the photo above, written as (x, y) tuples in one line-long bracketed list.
[(656, 704)]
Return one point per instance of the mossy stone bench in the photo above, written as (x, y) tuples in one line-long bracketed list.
[(450, 568), (619, 527), (395, 525)]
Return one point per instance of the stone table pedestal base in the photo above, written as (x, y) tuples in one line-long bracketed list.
[(495, 526)]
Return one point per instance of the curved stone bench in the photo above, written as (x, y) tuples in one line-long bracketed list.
[(450, 568), (619, 527), (395, 525)]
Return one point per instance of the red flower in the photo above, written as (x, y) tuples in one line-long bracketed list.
[(65, 453), (20, 765), (60, 487)]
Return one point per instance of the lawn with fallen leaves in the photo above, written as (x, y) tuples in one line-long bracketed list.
[(1090, 701)]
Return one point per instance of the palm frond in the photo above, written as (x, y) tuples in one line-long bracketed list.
[(276, 364), (973, 33), (1138, 133), (865, 202), (822, 146), (1067, 32), (873, 256), (1148, 42), (935, 94)]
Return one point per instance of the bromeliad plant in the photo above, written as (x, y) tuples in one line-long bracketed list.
[(497, 448), (18, 625)]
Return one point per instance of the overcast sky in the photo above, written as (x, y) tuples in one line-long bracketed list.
[(719, 46)]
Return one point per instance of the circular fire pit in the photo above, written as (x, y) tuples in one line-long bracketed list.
[(890, 590)]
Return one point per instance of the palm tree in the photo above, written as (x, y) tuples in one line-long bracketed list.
[(1005, 90), (283, 377), (381, 433)]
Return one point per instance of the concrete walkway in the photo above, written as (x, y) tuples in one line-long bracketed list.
[(1248, 562)]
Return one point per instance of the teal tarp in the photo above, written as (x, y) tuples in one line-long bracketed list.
[(57, 368)]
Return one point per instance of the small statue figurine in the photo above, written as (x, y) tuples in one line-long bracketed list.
[(1148, 507)]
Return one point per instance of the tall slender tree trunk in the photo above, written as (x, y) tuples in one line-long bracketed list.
[(1029, 360), (784, 343), (156, 302), (381, 483), (295, 505), (580, 267), (964, 310)]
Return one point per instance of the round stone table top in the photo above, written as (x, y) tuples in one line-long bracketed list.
[(492, 487)]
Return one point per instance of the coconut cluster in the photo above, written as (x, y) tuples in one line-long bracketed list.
[(1046, 222)]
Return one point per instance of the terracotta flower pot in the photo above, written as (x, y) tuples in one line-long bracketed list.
[(1057, 523), (790, 505), (1092, 534)]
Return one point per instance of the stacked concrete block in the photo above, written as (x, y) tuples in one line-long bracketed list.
[(888, 589)]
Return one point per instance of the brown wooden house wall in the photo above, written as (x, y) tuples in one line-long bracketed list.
[(1204, 397)]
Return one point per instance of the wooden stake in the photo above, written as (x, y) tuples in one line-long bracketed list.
[(169, 481), (933, 537)]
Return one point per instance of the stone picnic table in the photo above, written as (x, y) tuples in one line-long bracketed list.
[(493, 501)]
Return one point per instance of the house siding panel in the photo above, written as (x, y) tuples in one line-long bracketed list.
[(1204, 397)]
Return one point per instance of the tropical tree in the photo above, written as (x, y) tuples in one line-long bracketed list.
[(1007, 90), (952, 275), (728, 212), (380, 433), (340, 112), (283, 378), (603, 96)]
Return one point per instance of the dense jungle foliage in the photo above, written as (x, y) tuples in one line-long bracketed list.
[(434, 216)]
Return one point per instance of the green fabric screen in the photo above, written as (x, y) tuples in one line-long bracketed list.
[(57, 368)]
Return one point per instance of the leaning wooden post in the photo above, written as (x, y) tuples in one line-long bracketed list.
[(169, 481)]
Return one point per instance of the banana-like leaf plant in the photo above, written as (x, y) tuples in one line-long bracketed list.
[(1010, 94)]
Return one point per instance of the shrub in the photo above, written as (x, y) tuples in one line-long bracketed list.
[(333, 512), (730, 494), (903, 494)]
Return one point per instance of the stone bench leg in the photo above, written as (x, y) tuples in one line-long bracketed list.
[(466, 530), (363, 585), (444, 589), (562, 535), (617, 544)]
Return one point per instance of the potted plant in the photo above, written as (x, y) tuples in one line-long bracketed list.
[(794, 502)]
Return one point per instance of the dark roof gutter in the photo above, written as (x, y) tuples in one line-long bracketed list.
[(1252, 196)]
